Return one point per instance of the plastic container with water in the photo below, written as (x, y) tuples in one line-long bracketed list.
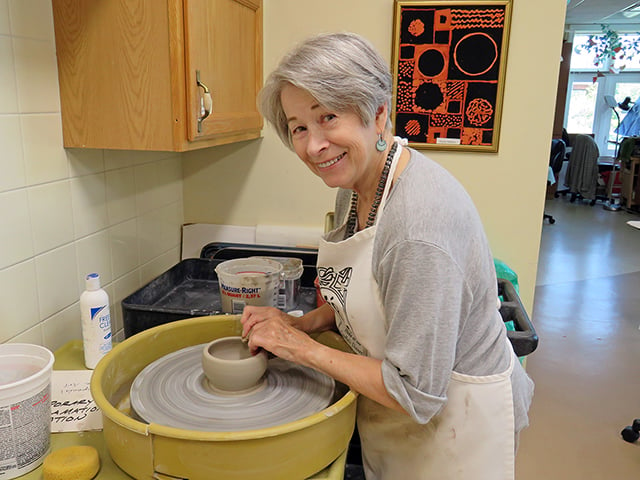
[(25, 407), (249, 281)]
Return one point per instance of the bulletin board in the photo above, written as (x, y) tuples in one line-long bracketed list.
[(449, 62)]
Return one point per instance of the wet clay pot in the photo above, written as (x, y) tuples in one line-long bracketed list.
[(231, 368)]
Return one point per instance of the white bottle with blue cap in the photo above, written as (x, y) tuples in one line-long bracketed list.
[(96, 321)]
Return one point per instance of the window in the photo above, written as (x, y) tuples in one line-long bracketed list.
[(582, 102), (608, 51), (590, 80)]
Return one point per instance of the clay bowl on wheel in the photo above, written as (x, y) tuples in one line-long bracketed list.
[(230, 367)]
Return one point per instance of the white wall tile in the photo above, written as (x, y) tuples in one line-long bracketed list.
[(26, 23), (5, 26), (121, 195), (8, 91), (66, 211), (89, 201), (45, 159), (174, 219), (116, 159), (123, 239), (159, 231), (84, 161), (62, 327), (149, 233), (158, 184), (18, 299), (15, 228), (170, 180), (36, 76), (148, 191), (51, 215), (11, 160), (94, 255), (56, 273), (32, 335), (159, 265), (127, 158)]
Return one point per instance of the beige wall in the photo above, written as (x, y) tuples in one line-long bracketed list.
[(66, 213), (261, 182)]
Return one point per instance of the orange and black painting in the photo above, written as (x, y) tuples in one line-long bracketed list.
[(449, 60)]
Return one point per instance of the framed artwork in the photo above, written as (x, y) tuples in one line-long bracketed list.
[(449, 62)]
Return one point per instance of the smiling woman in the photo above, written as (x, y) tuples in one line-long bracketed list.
[(409, 283)]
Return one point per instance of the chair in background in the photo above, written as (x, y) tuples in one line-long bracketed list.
[(582, 171), (558, 151)]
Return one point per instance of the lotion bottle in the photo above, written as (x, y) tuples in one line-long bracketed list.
[(96, 321)]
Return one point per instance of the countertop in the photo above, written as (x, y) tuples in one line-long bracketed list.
[(70, 357)]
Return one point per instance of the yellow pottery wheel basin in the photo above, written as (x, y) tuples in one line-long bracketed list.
[(294, 450)]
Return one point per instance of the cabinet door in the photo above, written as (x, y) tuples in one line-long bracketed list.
[(223, 50)]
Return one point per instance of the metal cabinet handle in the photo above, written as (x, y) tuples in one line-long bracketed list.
[(206, 103)]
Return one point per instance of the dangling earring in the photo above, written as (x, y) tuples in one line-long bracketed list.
[(381, 144)]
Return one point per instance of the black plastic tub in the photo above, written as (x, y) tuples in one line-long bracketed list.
[(188, 289)]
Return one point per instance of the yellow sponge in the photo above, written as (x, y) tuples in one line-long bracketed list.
[(71, 463)]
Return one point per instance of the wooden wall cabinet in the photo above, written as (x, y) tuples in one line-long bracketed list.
[(142, 74)]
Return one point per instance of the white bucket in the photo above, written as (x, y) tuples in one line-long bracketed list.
[(248, 281), (25, 407)]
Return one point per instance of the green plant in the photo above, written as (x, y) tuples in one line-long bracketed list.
[(611, 47)]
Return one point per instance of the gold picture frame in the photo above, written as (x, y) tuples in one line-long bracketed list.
[(449, 63)]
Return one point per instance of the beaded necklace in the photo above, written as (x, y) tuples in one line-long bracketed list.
[(353, 211)]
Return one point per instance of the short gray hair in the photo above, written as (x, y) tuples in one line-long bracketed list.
[(342, 71)]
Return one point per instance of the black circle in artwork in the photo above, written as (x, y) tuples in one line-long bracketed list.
[(475, 54), (431, 63), (429, 96)]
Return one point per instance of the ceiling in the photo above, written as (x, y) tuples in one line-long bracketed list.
[(597, 12)]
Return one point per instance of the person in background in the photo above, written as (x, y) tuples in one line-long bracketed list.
[(408, 279)]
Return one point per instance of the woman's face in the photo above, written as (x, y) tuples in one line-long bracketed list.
[(336, 146)]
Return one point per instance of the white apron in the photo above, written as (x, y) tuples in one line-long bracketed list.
[(471, 437)]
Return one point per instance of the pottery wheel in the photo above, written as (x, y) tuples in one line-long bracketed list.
[(171, 391)]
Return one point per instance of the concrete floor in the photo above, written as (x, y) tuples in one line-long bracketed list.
[(587, 365)]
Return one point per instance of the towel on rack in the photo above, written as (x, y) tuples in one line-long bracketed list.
[(582, 171)]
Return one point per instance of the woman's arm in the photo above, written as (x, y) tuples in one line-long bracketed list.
[(362, 374), (317, 320), (275, 334)]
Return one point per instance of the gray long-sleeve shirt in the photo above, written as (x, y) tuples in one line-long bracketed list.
[(435, 270)]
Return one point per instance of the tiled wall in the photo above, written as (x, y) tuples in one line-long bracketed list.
[(65, 213)]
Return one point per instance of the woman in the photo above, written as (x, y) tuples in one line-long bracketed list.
[(408, 277)]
